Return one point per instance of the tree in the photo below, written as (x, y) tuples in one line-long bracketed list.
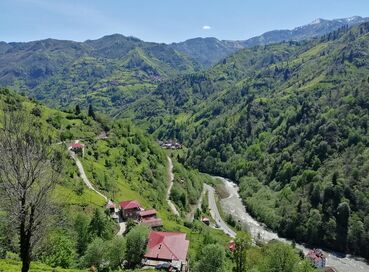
[(115, 251), (304, 266), (342, 219), (314, 226), (130, 225), (91, 112), (280, 257), (77, 110), (59, 251), (99, 225), (29, 169), (81, 224), (136, 244), (212, 258), (242, 243), (105, 255), (94, 255)]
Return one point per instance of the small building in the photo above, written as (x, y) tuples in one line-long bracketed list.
[(170, 145), (113, 211), (148, 217), (317, 258), (205, 220), (232, 246), (130, 209), (168, 249), (78, 148)]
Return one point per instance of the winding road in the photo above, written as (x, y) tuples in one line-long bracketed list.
[(234, 205), (171, 179), (215, 212), (82, 173)]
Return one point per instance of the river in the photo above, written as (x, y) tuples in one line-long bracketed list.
[(234, 206)]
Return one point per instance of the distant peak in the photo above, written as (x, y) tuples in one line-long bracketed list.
[(354, 18), (317, 21)]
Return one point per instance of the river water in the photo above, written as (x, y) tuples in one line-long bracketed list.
[(234, 206)]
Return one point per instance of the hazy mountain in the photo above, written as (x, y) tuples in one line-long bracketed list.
[(208, 51)]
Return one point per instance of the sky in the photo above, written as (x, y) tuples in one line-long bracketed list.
[(163, 20)]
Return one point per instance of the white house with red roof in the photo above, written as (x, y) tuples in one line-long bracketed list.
[(130, 209), (167, 248)]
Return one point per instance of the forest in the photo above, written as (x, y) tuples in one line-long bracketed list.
[(289, 123)]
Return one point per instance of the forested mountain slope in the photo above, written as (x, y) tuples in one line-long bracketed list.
[(289, 122), (107, 72), (209, 51)]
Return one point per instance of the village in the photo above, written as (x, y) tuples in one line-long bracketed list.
[(168, 250)]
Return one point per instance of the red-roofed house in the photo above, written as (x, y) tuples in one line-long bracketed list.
[(232, 246), (130, 209), (169, 247), (77, 148), (317, 257), (148, 217)]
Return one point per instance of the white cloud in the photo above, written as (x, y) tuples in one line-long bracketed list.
[(206, 27)]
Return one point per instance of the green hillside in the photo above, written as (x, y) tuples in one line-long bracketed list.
[(289, 123), (128, 164), (108, 72)]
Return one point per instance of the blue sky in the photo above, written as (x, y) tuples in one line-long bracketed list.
[(163, 20)]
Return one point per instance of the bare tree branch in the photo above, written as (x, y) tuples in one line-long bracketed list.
[(29, 170)]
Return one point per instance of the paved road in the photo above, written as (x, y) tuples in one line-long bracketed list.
[(215, 213), (171, 179), (233, 205)]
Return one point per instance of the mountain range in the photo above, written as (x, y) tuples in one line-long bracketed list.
[(208, 51), (113, 71), (284, 114)]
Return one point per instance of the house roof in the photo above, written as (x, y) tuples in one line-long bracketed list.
[(167, 246), (232, 245), (150, 212), (315, 255), (77, 146), (130, 204)]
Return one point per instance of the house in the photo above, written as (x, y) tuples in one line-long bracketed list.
[(130, 209), (148, 217), (232, 246), (170, 145), (167, 247), (77, 148), (317, 258)]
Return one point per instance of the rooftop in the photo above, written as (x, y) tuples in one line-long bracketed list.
[(167, 246), (130, 204), (150, 212)]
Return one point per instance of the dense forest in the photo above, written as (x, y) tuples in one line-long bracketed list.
[(289, 123)]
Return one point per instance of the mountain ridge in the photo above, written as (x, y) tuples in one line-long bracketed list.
[(314, 29)]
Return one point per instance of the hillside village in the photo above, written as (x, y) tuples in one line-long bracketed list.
[(193, 146), (169, 250)]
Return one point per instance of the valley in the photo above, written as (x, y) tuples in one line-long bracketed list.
[(207, 154)]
